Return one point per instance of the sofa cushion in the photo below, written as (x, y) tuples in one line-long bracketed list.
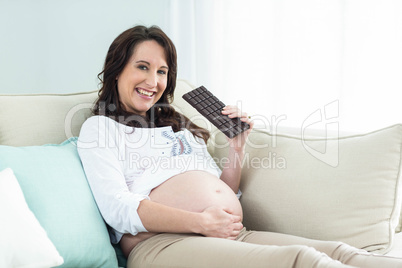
[(23, 243), (353, 195), (56, 190)]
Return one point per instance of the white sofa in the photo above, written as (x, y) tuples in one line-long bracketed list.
[(342, 188)]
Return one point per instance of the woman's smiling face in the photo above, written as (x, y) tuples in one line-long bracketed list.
[(144, 78)]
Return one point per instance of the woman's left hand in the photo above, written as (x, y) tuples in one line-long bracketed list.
[(237, 143)]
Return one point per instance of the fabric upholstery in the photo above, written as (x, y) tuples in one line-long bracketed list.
[(287, 189)]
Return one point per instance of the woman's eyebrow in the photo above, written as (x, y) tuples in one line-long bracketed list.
[(144, 61)]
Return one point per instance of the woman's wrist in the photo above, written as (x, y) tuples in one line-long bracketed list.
[(196, 223), (237, 150)]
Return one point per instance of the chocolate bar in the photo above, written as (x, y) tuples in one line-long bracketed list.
[(211, 107)]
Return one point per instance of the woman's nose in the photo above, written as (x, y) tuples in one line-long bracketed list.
[(151, 80)]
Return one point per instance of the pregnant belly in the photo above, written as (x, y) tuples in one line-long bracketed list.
[(192, 191), (195, 191)]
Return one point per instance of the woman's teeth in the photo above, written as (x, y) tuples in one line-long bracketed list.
[(144, 92)]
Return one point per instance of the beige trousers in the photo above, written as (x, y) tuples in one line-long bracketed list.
[(251, 249)]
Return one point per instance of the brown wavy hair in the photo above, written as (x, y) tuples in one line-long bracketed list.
[(162, 113)]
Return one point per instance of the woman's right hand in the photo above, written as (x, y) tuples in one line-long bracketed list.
[(220, 222)]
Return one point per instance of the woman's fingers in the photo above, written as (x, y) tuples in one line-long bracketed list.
[(220, 222), (249, 121), (235, 218), (234, 111), (235, 232)]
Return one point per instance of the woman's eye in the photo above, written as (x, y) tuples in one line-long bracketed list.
[(162, 72), (143, 67)]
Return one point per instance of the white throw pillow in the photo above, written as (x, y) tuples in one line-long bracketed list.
[(24, 243)]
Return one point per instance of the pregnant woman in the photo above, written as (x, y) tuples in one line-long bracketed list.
[(163, 197)]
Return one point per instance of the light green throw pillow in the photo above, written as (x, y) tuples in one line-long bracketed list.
[(57, 192)]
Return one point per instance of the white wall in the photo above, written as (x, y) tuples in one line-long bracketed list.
[(59, 45)]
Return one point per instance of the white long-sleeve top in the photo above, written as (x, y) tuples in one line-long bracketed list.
[(123, 164)]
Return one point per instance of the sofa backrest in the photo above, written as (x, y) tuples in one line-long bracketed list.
[(39, 119), (42, 118)]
